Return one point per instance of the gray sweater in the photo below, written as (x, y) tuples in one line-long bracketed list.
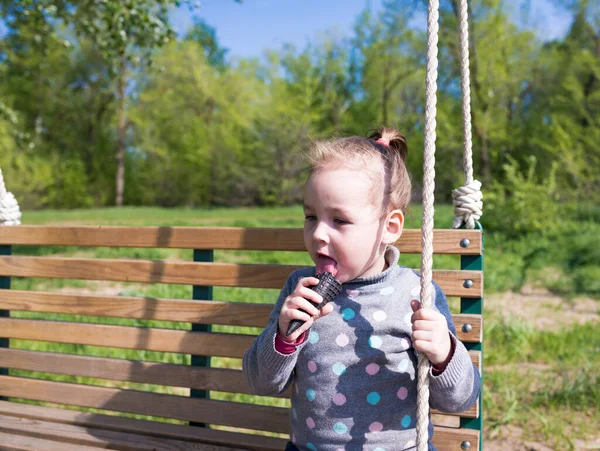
[(354, 378)]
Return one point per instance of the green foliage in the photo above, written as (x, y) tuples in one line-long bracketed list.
[(204, 129), (206, 37), (586, 279), (114, 26), (70, 187), (524, 202), (573, 248)]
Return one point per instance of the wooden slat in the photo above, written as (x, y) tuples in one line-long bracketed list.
[(274, 419), (449, 439), (197, 311), (445, 439), (205, 312), (147, 271), (184, 342), (265, 418), (197, 343), (444, 241), (219, 379), (473, 412), (69, 435), (452, 283), (445, 420), (476, 359), (475, 321), (212, 274), (150, 428), (13, 442)]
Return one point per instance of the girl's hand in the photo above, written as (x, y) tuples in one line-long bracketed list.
[(298, 300), (430, 333)]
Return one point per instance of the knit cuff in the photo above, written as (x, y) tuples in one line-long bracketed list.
[(270, 356), (285, 347), (455, 372)]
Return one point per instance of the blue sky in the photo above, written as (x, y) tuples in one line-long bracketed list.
[(248, 28)]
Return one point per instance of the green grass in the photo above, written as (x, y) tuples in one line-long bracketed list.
[(545, 382), (235, 217)]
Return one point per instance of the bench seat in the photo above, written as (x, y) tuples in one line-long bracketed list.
[(32, 427), (73, 430), (56, 349)]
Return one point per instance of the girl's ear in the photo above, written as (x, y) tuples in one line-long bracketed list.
[(394, 224)]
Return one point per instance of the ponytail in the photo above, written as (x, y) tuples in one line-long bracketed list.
[(391, 139)]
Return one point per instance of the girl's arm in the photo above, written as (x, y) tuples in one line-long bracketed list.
[(457, 387), (268, 371)]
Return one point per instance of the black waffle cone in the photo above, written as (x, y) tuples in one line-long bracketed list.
[(328, 287)]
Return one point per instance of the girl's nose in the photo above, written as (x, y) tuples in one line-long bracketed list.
[(321, 232)]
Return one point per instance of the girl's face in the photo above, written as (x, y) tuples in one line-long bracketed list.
[(343, 223)]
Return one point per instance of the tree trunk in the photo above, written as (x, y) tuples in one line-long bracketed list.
[(120, 180)]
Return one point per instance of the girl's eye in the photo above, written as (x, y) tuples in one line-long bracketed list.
[(310, 217), (340, 221)]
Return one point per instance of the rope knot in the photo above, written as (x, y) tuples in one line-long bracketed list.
[(10, 214), (468, 205)]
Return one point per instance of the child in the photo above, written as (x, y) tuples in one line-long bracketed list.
[(353, 363)]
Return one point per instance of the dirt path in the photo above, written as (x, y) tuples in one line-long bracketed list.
[(543, 309)]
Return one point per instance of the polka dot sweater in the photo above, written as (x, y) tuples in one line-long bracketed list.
[(354, 377)]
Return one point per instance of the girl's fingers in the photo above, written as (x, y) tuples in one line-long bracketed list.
[(424, 325), (296, 334), (309, 294), (426, 314), (422, 335), (307, 282), (292, 314), (326, 310), (423, 346), (302, 303)]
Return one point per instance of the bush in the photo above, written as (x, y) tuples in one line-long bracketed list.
[(572, 249), (583, 211), (586, 279), (524, 202)]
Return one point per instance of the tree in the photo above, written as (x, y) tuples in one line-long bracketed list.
[(125, 31), (190, 121), (206, 37), (566, 108)]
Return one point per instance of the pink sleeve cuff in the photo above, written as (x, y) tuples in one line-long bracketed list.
[(284, 347), (438, 369)]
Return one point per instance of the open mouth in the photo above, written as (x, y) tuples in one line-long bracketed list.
[(326, 264)]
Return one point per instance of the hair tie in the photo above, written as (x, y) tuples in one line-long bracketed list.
[(384, 141)]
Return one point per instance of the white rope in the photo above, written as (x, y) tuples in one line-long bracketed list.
[(10, 214), (428, 212), (467, 200), (468, 205), (465, 84)]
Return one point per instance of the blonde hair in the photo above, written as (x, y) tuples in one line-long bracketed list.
[(384, 145)]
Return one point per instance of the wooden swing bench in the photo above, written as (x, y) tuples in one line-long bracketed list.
[(194, 421)]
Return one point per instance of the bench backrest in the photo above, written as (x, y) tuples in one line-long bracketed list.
[(151, 356)]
